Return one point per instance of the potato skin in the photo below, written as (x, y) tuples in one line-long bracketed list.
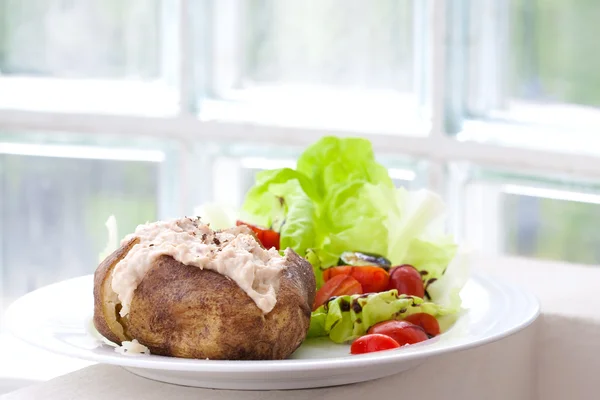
[(106, 319), (183, 311)]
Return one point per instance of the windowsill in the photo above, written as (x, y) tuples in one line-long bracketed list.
[(563, 289), (567, 293)]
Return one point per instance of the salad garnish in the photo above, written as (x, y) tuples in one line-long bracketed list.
[(379, 253)]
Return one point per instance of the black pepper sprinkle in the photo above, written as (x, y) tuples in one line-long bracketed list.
[(402, 310), (344, 305), (423, 272), (216, 241), (429, 282), (358, 321), (415, 305), (427, 296), (151, 245), (203, 236)]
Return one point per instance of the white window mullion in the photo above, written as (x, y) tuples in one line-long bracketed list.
[(170, 53), (482, 218), (227, 51), (423, 48), (170, 185), (227, 191), (3, 195), (474, 210), (182, 183), (488, 46), (187, 87), (437, 60)]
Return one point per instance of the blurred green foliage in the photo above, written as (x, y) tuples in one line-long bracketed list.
[(555, 54)]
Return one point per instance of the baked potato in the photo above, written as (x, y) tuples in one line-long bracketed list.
[(185, 311)]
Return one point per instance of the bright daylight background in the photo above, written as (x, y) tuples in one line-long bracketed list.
[(147, 108)]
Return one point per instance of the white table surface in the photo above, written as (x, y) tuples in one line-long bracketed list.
[(556, 358)]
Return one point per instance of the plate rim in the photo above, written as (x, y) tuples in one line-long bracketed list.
[(286, 365)]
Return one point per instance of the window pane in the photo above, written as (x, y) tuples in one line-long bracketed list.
[(334, 63), (533, 216), (89, 55), (54, 202), (353, 44), (534, 62), (80, 39), (552, 228), (550, 39)]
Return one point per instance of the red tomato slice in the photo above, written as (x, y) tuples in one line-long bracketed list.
[(270, 239), (335, 271), (371, 343), (340, 285), (426, 321), (372, 279), (267, 237), (401, 331), (407, 280)]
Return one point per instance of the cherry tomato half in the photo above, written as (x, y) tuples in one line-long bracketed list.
[(270, 239), (340, 285), (426, 321), (372, 279), (335, 271), (371, 343), (267, 237), (401, 331), (407, 280)]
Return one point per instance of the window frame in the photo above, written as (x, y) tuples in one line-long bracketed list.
[(441, 147)]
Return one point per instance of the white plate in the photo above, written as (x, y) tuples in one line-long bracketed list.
[(57, 318)]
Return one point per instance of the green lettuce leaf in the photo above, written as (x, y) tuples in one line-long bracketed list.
[(266, 200), (300, 227), (351, 220), (431, 256), (445, 291), (328, 203), (313, 258), (331, 161), (412, 215), (347, 317), (340, 199)]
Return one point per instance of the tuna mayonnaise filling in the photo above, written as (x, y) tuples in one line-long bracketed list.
[(234, 253)]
